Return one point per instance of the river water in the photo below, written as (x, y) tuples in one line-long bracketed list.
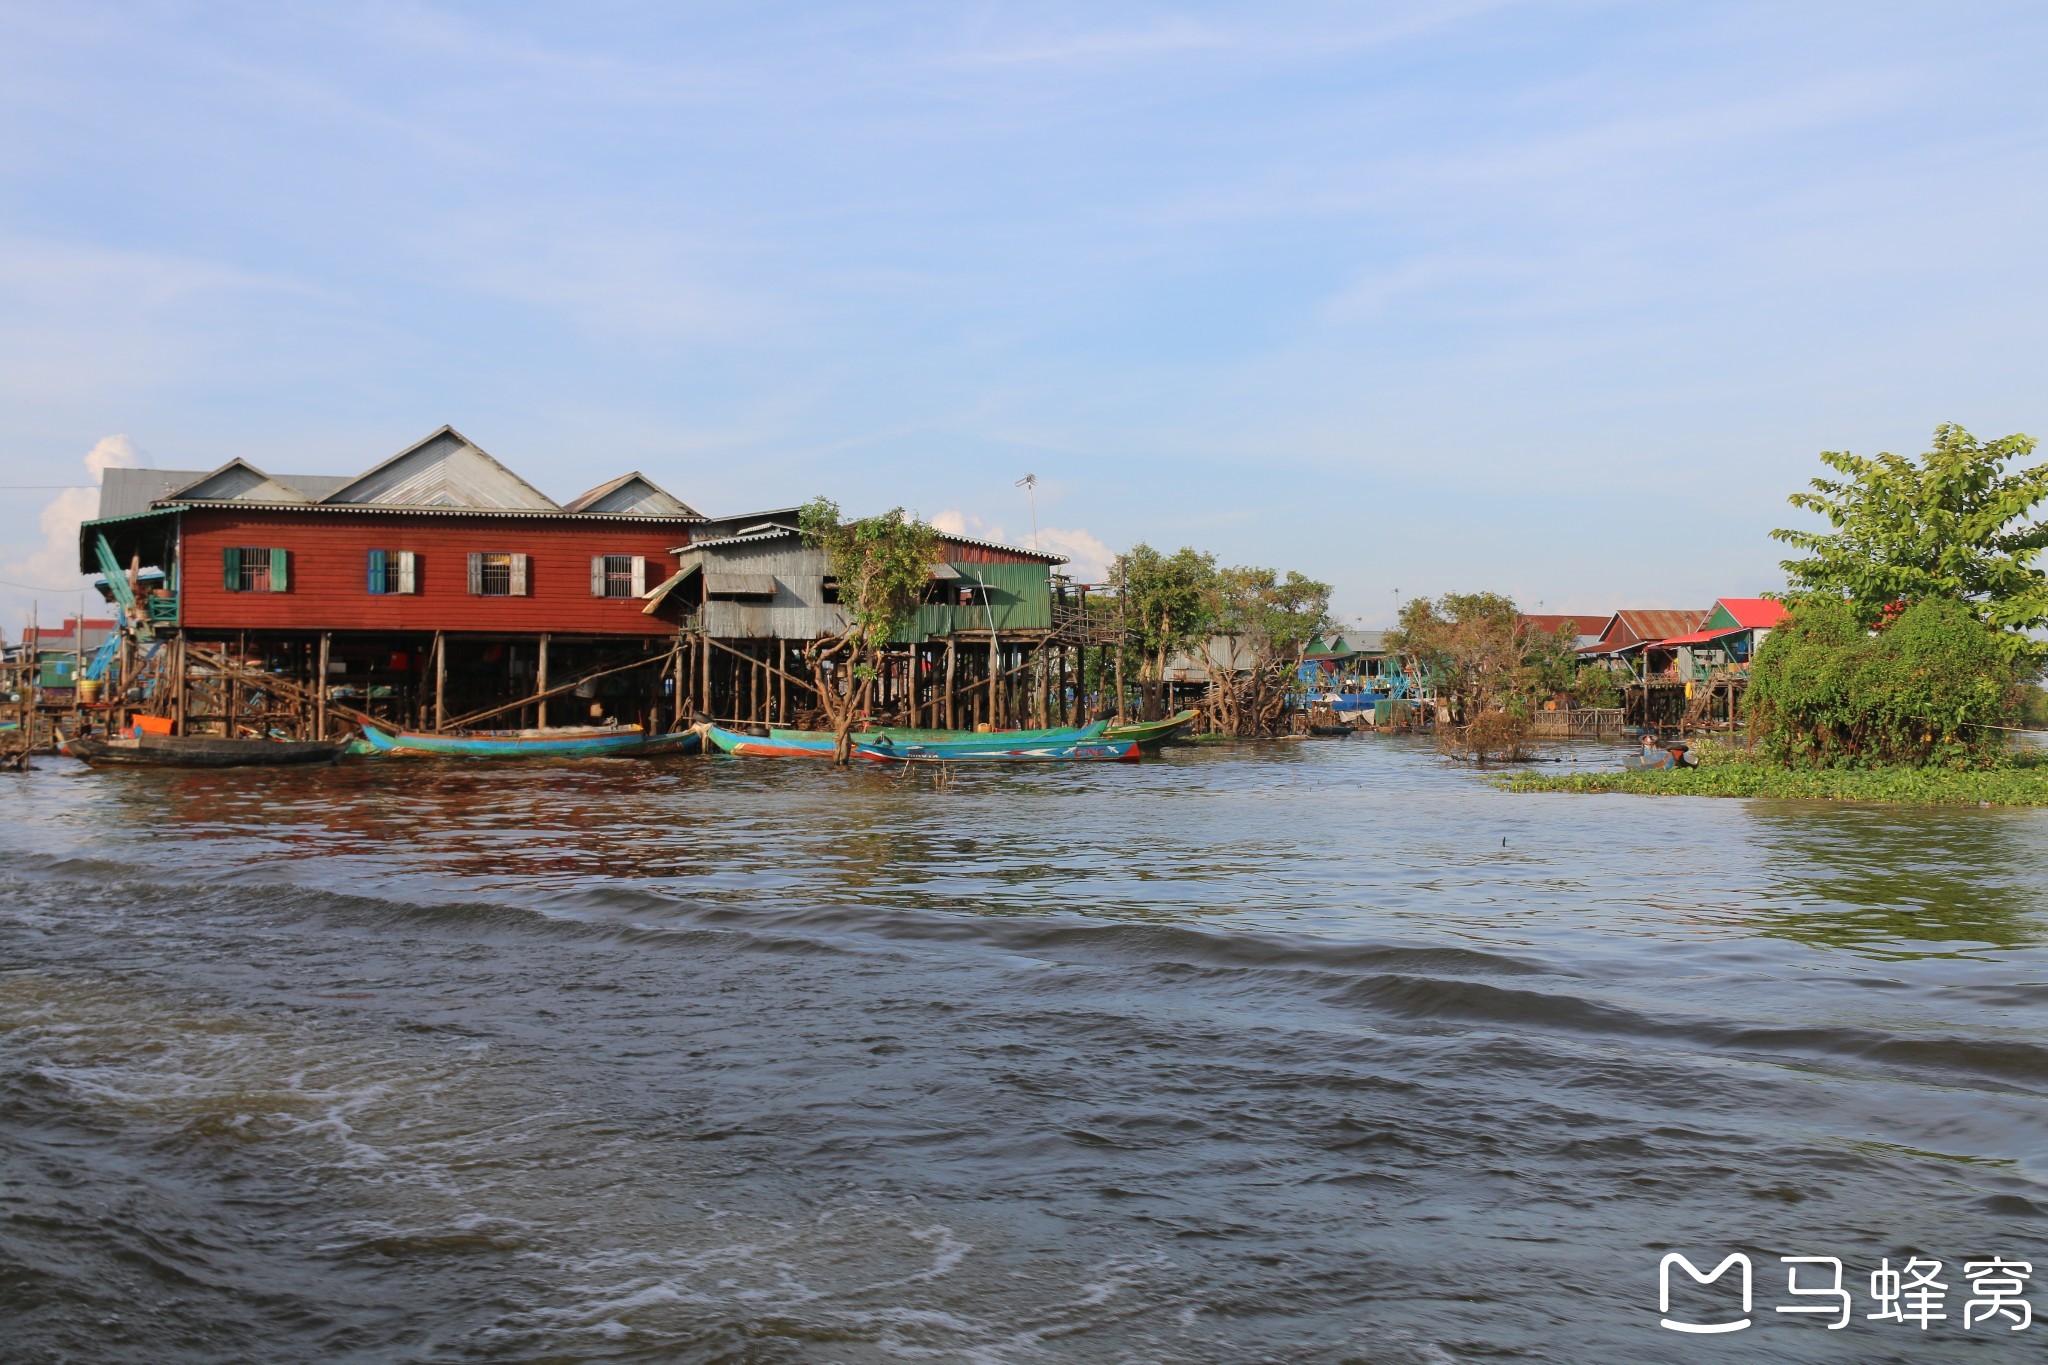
[(1319, 1051)]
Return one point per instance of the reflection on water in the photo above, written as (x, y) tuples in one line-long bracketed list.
[(1901, 882), (1301, 1051)]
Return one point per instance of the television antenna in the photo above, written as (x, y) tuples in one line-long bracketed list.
[(1029, 483)]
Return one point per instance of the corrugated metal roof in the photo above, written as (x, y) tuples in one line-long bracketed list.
[(445, 470), (714, 542), (1041, 555), (633, 492)]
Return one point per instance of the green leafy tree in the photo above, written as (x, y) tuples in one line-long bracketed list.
[(1166, 605), (1269, 620), (883, 565), (1953, 523), (1927, 691)]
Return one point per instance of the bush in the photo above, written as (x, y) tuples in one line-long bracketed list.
[(1825, 693)]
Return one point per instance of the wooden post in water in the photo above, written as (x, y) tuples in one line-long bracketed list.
[(952, 657), (540, 683), (320, 683), (995, 680), (440, 679)]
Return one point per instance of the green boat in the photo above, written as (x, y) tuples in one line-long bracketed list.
[(1147, 734)]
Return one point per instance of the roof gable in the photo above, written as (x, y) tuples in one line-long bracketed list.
[(236, 481), (1745, 613), (446, 469), (633, 492)]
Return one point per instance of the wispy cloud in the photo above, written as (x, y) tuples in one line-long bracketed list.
[(51, 569)]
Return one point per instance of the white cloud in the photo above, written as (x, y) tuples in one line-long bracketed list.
[(54, 565), (1088, 558)]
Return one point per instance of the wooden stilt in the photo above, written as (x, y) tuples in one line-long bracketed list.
[(440, 679), (320, 687), (952, 656), (540, 682)]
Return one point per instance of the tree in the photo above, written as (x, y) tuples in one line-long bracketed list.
[(1927, 690), (1270, 621), (1166, 601), (883, 565), (1469, 645), (1953, 523)]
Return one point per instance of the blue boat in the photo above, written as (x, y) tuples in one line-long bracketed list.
[(590, 741), (995, 747)]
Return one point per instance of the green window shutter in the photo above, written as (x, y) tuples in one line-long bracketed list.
[(280, 570), (376, 571), (231, 568)]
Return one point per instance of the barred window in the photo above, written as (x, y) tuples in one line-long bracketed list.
[(619, 576), (394, 571), (494, 575), (254, 568)]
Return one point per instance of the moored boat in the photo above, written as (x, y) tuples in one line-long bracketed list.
[(146, 750), (996, 747), (1151, 733), (584, 741)]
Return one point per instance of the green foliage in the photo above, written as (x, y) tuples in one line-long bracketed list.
[(1277, 617), (1271, 621), (2015, 780), (883, 565), (2033, 708), (1474, 649), (1824, 692), (1950, 524), (1467, 643), (1168, 600)]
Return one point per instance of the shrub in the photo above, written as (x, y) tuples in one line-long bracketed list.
[(1824, 692)]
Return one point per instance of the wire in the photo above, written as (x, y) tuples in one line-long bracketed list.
[(42, 487), (30, 587)]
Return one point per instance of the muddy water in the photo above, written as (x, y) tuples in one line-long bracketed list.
[(1307, 1052)]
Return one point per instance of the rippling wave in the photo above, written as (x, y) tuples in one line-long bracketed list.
[(1300, 1052)]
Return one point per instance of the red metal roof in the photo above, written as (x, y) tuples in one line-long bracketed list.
[(1698, 637), (1754, 613)]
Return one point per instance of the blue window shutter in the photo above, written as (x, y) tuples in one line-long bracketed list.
[(231, 568), (376, 571)]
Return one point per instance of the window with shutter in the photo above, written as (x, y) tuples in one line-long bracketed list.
[(251, 568), (496, 574), (613, 576), (393, 571)]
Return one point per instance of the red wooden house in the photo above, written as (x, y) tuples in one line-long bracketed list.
[(436, 581)]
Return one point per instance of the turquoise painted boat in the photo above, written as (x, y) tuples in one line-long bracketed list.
[(904, 734), (1011, 747), (592, 741)]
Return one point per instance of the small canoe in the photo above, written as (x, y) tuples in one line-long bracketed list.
[(985, 748), (146, 750), (583, 741)]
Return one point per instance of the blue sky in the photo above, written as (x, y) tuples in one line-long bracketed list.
[(1551, 298)]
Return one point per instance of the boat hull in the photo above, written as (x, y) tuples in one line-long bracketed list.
[(989, 748), (200, 751), (624, 741)]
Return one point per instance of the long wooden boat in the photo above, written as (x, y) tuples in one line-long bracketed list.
[(997, 747), (146, 750), (905, 734), (583, 741)]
